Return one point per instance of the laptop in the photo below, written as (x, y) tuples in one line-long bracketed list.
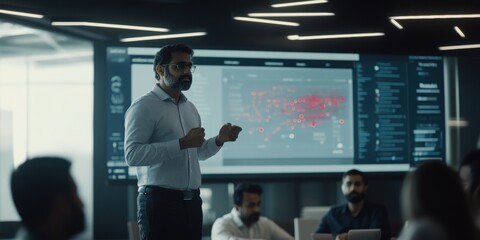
[(321, 236), (364, 234)]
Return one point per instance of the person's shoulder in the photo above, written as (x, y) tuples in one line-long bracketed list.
[(265, 219), (144, 102), (223, 223), (147, 97), (264, 222), (376, 208), (376, 205), (220, 220), (224, 218), (335, 211), (337, 208)]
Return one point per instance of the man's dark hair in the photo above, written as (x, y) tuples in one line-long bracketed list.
[(356, 172), (35, 184), (245, 187), (164, 56), (472, 160)]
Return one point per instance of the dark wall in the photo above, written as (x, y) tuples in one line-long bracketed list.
[(469, 92)]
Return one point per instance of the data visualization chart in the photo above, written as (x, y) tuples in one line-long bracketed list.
[(289, 113)]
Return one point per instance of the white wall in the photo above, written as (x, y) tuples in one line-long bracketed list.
[(50, 101)]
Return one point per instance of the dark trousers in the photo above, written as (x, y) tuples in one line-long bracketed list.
[(164, 214)]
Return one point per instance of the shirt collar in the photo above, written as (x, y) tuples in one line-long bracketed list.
[(160, 93), (236, 218)]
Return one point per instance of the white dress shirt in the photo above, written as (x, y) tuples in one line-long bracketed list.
[(231, 227), (153, 126)]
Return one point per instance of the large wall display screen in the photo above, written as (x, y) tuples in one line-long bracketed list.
[(300, 112)]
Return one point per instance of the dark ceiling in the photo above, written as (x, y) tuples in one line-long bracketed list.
[(215, 17)]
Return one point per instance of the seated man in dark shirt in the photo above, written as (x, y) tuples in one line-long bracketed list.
[(358, 213)]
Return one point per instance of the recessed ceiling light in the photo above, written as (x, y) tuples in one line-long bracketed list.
[(22, 14), (458, 47), (291, 4), (394, 19), (334, 36), (444, 16), (292, 14), (166, 36), (259, 20), (109, 25), (459, 31), (396, 24)]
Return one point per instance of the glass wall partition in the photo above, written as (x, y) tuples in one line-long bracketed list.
[(46, 107)]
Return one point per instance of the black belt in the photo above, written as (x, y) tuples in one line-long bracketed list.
[(181, 194)]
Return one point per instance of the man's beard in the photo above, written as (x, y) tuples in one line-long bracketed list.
[(178, 84), (354, 197), (252, 218)]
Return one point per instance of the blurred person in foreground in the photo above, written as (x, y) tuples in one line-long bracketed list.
[(470, 175), (45, 196), (435, 206)]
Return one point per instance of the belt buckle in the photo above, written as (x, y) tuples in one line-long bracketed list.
[(188, 195)]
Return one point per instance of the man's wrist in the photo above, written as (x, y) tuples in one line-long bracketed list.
[(218, 142), (181, 142)]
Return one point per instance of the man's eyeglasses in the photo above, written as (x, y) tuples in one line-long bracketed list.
[(182, 66)]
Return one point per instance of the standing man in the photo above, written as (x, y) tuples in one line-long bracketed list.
[(164, 139), (244, 221), (358, 213), (45, 196), (470, 175)]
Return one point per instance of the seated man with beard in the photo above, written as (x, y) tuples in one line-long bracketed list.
[(244, 221), (358, 213)]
